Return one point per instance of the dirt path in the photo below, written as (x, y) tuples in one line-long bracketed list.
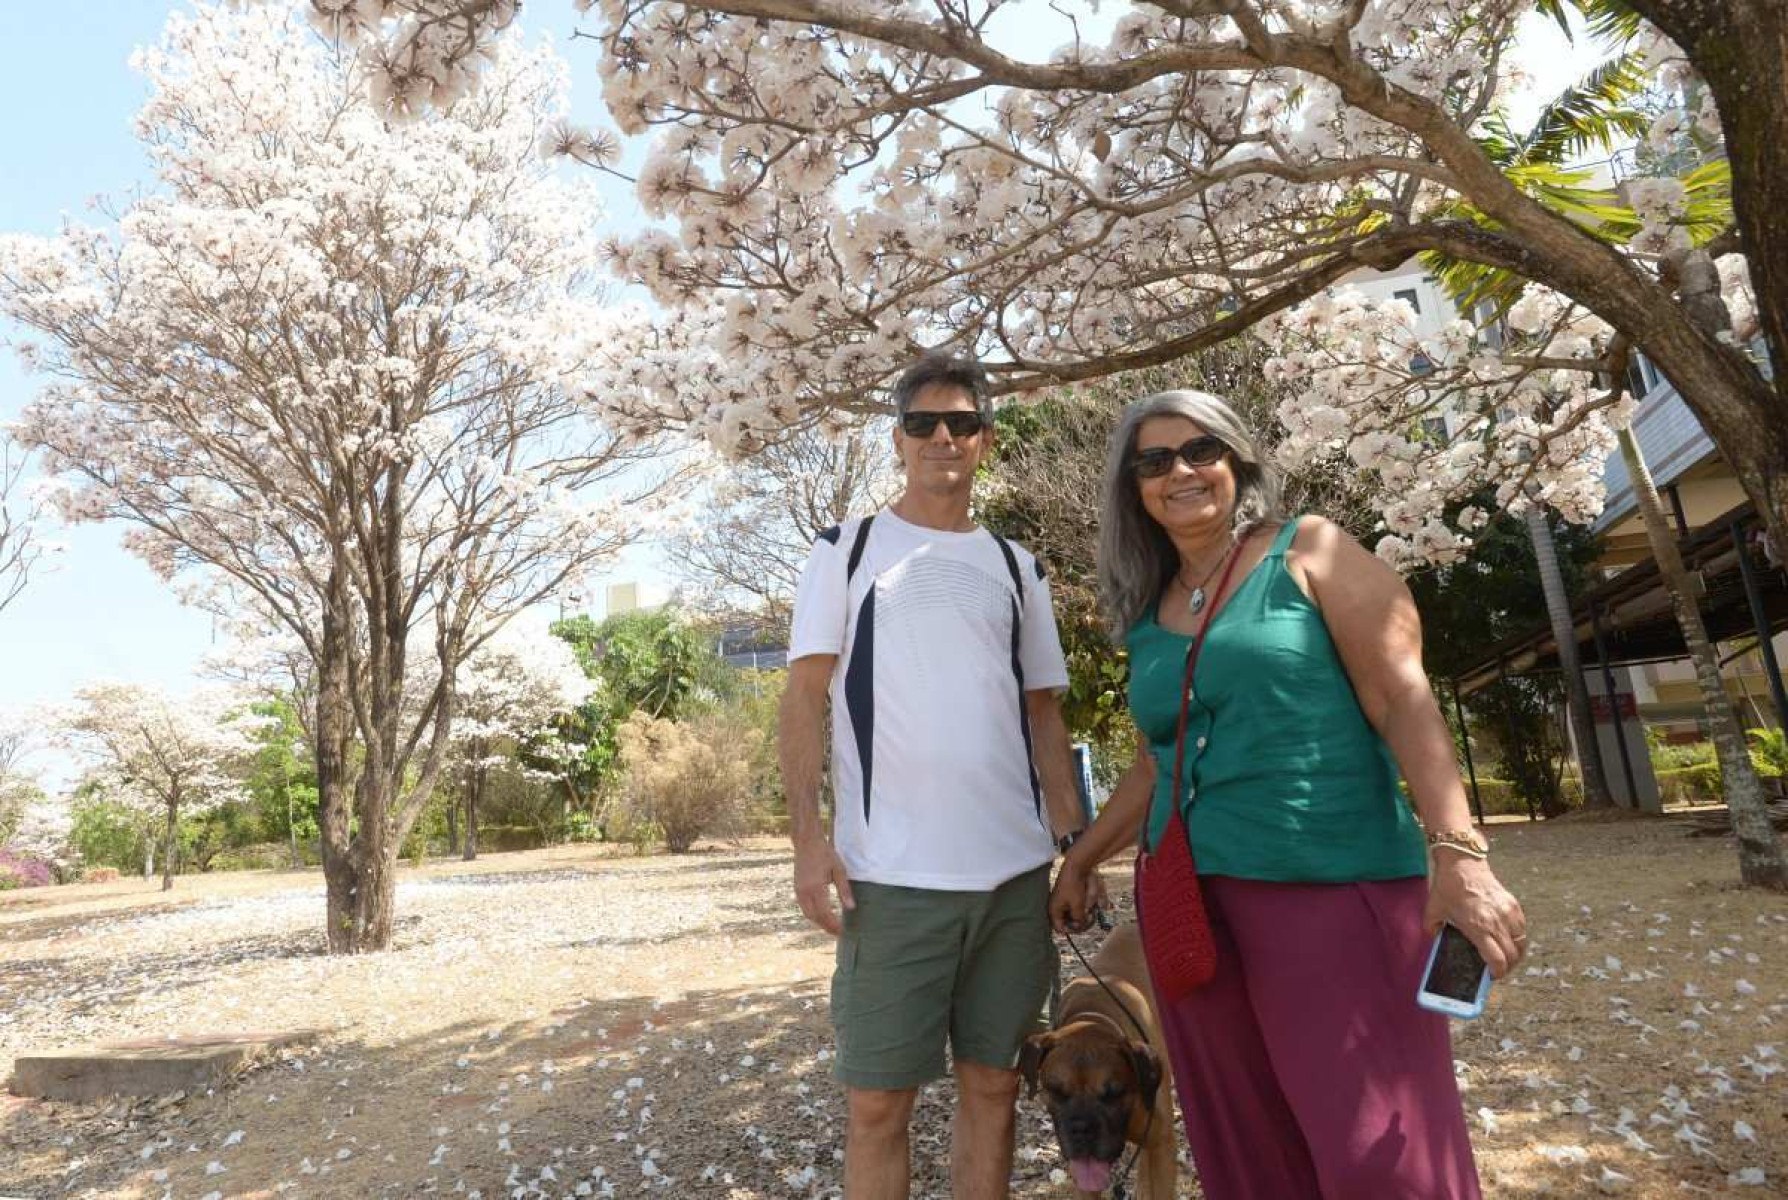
[(565, 1023)]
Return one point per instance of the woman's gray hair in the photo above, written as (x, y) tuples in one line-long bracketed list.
[(1136, 558)]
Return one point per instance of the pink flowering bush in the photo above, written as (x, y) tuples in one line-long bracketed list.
[(18, 870)]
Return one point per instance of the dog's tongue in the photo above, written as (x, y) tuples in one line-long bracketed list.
[(1090, 1175)]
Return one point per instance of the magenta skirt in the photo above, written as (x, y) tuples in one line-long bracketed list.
[(1305, 1068)]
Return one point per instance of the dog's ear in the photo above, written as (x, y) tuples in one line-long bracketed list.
[(1030, 1058), (1148, 1071)]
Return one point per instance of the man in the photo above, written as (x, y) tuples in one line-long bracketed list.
[(934, 645)]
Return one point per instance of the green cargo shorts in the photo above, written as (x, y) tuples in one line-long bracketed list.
[(918, 966)]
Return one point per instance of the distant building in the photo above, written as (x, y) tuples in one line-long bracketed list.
[(753, 645)]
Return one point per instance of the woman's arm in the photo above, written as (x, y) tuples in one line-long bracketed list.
[(1378, 633), (1117, 826)]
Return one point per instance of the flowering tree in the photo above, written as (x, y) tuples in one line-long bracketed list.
[(511, 691), (18, 789), (754, 537), (850, 180), (1530, 391), (20, 546), (324, 368), (162, 755)]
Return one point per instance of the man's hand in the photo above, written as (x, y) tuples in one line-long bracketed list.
[(818, 872), (1078, 895)]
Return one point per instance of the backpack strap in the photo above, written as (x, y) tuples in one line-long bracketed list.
[(1024, 715), (1011, 567), (861, 540)]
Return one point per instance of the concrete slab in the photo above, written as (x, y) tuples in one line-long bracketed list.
[(148, 1067)]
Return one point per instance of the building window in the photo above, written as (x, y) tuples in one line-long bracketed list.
[(1641, 376), (1408, 296)]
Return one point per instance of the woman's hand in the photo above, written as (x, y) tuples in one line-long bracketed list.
[(1465, 893)]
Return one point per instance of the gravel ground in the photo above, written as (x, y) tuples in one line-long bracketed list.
[(566, 1023)]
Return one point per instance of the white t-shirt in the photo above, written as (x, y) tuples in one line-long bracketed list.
[(931, 767)]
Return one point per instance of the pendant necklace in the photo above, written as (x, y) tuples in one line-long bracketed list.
[(1195, 598)]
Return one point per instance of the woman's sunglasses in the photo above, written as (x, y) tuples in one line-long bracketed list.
[(1196, 452), (921, 424)]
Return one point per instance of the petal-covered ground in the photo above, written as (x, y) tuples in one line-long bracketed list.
[(570, 1023)]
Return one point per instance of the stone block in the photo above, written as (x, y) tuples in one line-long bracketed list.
[(149, 1067)]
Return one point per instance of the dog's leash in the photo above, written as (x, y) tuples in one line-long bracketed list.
[(1119, 1185)]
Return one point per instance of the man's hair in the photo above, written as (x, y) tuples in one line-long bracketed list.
[(937, 368)]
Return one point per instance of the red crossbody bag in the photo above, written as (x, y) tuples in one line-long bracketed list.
[(1176, 933)]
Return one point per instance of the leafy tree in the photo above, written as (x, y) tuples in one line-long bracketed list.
[(281, 779), (655, 662), (107, 833), (1471, 605)]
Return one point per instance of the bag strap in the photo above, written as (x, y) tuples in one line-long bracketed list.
[(857, 544), (1024, 715), (1011, 567), (1179, 737)]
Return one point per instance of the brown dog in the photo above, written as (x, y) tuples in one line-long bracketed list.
[(1107, 1088)]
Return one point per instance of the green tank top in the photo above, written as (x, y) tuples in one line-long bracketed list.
[(1284, 779)]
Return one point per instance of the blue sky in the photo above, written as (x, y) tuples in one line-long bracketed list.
[(68, 98)]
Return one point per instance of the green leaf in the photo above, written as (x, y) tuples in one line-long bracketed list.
[(1592, 112)]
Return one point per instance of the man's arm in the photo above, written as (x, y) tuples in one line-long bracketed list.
[(801, 748), (1053, 755)]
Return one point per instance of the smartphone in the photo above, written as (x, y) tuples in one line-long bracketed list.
[(1456, 981)]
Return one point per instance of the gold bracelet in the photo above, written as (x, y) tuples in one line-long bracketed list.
[(1465, 841)]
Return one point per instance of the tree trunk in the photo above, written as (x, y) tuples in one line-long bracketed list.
[(335, 776), (292, 827), (1564, 632), (453, 827), (167, 850), (473, 787), (1760, 861)]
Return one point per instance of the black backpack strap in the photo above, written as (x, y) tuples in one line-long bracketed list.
[(1024, 715), (1011, 567), (862, 540)]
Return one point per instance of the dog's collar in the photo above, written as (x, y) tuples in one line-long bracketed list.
[(1106, 1019)]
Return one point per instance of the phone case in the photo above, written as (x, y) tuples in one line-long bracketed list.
[(1464, 1010)]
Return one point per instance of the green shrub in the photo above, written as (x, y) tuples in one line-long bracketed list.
[(1499, 797), (106, 834), (261, 856), (499, 839), (1697, 783), (1769, 751), (1689, 754)]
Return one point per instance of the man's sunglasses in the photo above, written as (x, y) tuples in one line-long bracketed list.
[(921, 424), (1196, 452)]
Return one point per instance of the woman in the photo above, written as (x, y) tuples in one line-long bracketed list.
[(1305, 1067)]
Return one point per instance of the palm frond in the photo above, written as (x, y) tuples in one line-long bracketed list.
[(1556, 10), (1593, 112), (1613, 21)]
